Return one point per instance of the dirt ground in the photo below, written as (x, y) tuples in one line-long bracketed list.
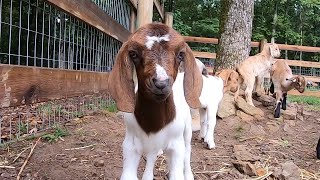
[(100, 136)]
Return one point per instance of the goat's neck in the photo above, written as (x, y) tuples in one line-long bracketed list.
[(151, 115)]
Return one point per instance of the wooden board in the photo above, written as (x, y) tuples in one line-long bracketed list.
[(303, 63), (160, 9), (254, 44), (204, 55), (89, 12), (23, 85)]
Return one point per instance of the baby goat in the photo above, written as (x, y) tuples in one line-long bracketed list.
[(211, 95), (283, 81), (253, 69), (157, 116)]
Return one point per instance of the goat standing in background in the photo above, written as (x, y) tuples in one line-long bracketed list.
[(283, 81), (253, 69), (157, 116)]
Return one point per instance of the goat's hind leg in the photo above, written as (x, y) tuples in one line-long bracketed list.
[(203, 123), (211, 123), (249, 90)]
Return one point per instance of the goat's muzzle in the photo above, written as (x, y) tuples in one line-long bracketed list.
[(160, 88)]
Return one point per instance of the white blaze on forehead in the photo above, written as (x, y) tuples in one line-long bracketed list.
[(161, 73), (152, 39)]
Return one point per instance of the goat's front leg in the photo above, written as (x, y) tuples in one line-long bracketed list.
[(131, 158), (284, 101), (203, 123), (148, 172), (176, 154), (211, 123), (278, 104), (187, 155)]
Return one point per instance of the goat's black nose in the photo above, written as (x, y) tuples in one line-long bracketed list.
[(160, 84)]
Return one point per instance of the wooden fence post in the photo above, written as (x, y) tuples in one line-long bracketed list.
[(169, 19), (144, 12), (133, 19)]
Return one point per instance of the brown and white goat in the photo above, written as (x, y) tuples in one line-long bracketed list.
[(157, 115), (283, 81), (253, 69)]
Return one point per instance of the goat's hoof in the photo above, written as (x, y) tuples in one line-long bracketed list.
[(209, 143)]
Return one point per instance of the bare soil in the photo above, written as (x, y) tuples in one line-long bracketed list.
[(100, 137)]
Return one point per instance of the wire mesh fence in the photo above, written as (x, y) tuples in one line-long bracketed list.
[(35, 33)]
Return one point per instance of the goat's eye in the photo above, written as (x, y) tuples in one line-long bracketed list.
[(133, 54), (181, 56)]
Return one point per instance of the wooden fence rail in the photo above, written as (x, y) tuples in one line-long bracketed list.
[(301, 63)]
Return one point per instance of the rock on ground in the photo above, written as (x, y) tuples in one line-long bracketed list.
[(245, 107), (244, 116), (227, 106), (287, 171)]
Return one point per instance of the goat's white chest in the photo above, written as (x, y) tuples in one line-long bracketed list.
[(171, 133)]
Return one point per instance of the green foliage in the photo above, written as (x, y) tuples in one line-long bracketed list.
[(112, 108), (58, 133), (297, 21)]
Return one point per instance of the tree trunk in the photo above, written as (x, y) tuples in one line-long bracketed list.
[(235, 33)]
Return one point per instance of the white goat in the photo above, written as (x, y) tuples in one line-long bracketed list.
[(282, 82), (211, 95), (157, 116)]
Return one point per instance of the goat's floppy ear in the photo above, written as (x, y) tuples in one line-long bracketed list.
[(293, 79), (192, 80), (120, 81)]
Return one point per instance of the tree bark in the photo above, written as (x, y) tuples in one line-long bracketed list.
[(235, 33)]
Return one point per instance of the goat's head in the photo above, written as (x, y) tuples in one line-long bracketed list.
[(299, 83), (230, 79), (155, 52)]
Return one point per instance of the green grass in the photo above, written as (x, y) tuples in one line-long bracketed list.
[(112, 108), (58, 133), (305, 100), (313, 102)]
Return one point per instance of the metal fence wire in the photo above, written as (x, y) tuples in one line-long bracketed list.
[(34, 33)]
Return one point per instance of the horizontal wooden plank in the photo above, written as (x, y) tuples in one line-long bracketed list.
[(305, 93), (254, 44), (303, 63), (200, 39), (204, 54), (24, 85), (298, 48), (159, 8), (89, 12)]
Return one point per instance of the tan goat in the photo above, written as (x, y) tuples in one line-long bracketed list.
[(230, 80), (282, 82), (253, 69)]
